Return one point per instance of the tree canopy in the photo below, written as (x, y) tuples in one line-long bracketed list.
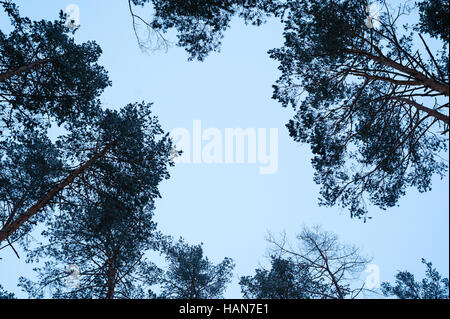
[(104, 225), (371, 100), (45, 74), (5, 295), (433, 286), (286, 279), (369, 91), (190, 275), (434, 18), (332, 269), (370, 95), (45, 79), (199, 24)]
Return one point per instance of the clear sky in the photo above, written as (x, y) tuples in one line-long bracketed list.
[(230, 207)]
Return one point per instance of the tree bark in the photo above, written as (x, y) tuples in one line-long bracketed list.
[(111, 273), (11, 227), (442, 117), (5, 76), (430, 83)]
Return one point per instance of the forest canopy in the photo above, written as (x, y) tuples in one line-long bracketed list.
[(368, 86)]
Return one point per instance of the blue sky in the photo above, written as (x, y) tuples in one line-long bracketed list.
[(231, 207)]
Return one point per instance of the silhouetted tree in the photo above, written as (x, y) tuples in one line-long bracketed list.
[(190, 275), (29, 167), (334, 268), (44, 74), (434, 18), (433, 286), (98, 252), (5, 295), (45, 79), (370, 96), (128, 138), (199, 24), (286, 279), (105, 222)]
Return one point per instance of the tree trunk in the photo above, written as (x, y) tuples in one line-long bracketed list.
[(112, 271), (10, 228), (430, 83), (5, 76)]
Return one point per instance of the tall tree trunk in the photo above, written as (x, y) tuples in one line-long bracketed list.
[(112, 271), (25, 68), (11, 227)]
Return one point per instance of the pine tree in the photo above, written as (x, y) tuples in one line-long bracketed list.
[(285, 280), (370, 97), (45, 79), (199, 24), (190, 275), (104, 226), (433, 286), (44, 74)]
